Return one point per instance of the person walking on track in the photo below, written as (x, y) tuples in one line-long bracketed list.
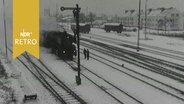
[(87, 53), (84, 52)]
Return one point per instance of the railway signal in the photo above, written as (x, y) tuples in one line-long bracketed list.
[(76, 11)]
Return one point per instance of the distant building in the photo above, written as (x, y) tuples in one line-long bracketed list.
[(158, 19), (182, 20), (130, 18)]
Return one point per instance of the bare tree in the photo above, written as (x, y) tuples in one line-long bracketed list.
[(163, 23), (82, 18), (91, 17), (160, 24), (104, 17), (167, 22), (59, 17)]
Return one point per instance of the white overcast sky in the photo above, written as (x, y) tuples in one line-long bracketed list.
[(109, 7), (112, 7)]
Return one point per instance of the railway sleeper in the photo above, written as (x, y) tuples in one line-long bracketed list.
[(66, 96), (30, 97), (71, 100), (75, 103)]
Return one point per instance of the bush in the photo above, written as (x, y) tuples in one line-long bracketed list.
[(2, 70)]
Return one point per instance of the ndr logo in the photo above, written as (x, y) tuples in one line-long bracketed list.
[(25, 41), (25, 34)]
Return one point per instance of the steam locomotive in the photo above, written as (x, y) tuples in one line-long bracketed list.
[(62, 44)]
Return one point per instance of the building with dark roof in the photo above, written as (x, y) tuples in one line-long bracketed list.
[(158, 19)]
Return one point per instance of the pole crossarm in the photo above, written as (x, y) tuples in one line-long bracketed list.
[(69, 8)]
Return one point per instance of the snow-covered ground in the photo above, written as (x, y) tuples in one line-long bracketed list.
[(87, 90), (98, 68), (117, 40), (139, 90), (26, 83), (156, 40), (159, 41), (140, 70), (23, 82)]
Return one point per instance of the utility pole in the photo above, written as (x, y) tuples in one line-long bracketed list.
[(57, 10), (87, 10), (146, 18), (5, 38), (76, 11), (165, 23), (139, 25)]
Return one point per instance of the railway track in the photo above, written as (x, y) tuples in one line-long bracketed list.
[(176, 91), (157, 50), (131, 70), (160, 61), (139, 60), (154, 52), (162, 65), (99, 82), (51, 82)]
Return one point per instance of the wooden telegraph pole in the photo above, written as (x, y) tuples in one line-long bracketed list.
[(76, 11)]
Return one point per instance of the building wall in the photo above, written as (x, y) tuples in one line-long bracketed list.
[(175, 20)]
